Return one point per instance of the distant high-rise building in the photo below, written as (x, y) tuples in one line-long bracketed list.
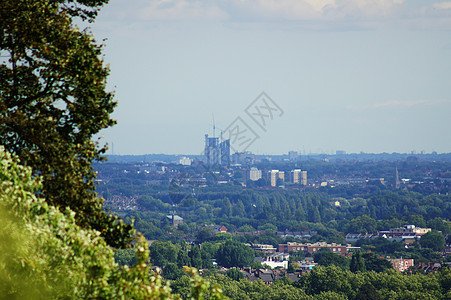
[(296, 176), (273, 174), (217, 153), (304, 177), (293, 155), (212, 152), (340, 152), (255, 174), (224, 147), (276, 175), (282, 176)]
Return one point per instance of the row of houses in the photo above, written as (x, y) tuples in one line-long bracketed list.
[(312, 248), (407, 234)]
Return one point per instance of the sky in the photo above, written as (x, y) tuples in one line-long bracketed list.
[(312, 76)]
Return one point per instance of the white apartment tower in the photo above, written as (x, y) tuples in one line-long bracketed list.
[(304, 177), (255, 174)]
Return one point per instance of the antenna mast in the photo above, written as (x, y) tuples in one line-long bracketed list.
[(214, 127)]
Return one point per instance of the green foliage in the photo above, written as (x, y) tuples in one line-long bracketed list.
[(53, 100), (368, 292), (195, 256), (325, 257), (246, 228), (381, 245), (291, 267), (204, 234), (234, 254), (162, 253), (171, 271), (125, 257), (362, 224), (45, 254), (330, 282), (202, 289), (183, 259), (357, 263), (433, 240), (440, 225), (235, 274), (246, 289), (375, 263)]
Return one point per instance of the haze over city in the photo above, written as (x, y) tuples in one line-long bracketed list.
[(370, 76)]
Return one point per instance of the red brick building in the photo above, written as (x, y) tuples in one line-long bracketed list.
[(401, 264)]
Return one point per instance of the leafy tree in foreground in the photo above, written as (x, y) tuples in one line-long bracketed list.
[(53, 100), (44, 254)]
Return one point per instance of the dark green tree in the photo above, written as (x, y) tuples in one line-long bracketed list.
[(171, 271), (125, 257), (53, 100), (375, 263), (235, 254), (162, 253), (362, 224), (235, 274), (291, 268), (325, 257), (206, 259), (357, 263), (183, 259), (433, 240), (368, 292), (195, 256), (226, 209), (204, 234)]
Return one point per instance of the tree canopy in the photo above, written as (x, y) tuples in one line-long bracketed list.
[(433, 240), (53, 100), (235, 254)]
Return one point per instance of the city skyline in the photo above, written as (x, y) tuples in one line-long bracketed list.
[(350, 75)]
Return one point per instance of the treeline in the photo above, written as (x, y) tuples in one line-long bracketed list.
[(295, 210)]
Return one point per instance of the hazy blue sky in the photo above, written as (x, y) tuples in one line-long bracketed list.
[(354, 75)]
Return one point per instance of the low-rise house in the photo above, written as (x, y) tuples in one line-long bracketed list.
[(353, 237), (407, 230), (306, 266), (222, 229), (276, 260), (266, 249), (312, 248), (174, 220)]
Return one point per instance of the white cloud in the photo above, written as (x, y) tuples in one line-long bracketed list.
[(442, 5), (374, 8), (319, 14), (182, 10), (280, 9), (263, 10), (312, 9)]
